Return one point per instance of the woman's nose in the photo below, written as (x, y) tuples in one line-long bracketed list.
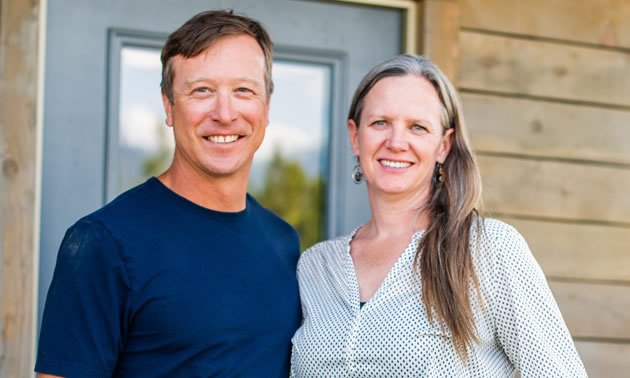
[(397, 140)]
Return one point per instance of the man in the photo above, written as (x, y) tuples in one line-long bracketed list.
[(186, 274)]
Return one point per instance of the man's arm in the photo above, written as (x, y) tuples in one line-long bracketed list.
[(88, 305)]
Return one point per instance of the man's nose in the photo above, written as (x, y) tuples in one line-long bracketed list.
[(223, 108)]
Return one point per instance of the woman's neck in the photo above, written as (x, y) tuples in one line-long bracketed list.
[(395, 215)]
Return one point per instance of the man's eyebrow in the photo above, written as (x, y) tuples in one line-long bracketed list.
[(247, 79), (193, 81)]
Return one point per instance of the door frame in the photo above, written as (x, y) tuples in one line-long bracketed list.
[(410, 25), (431, 28)]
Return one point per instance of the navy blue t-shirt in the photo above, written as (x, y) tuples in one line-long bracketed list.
[(154, 285)]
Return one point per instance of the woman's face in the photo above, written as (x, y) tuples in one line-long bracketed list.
[(400, 137)]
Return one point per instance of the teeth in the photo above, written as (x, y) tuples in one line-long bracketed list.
[(222, 139), (395, 164)]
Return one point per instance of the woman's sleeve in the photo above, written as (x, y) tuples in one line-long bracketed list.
[(529, 325)]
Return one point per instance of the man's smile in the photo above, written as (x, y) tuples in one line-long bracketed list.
[(222, 138)]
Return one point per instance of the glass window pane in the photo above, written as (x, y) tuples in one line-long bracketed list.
[(145, 143), (290, 170)]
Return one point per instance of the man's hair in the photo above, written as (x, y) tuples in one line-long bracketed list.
[(203, 30)]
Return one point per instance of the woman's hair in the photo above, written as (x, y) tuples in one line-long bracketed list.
[(201, 32), (444, 254)]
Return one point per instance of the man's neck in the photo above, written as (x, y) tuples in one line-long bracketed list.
[(226, 194)]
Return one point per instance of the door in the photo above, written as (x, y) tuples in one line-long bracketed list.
[(322, 49)]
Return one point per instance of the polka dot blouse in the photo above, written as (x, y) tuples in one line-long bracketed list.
[(518, 325)]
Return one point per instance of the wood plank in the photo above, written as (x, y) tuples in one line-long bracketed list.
[(555, 189), (602, 22), (594, 310), (583, 251), (604, 360), (439, 34), (19, 26), (500, 124), (520, 66)]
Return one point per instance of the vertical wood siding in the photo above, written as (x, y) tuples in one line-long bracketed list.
[(19, 27)]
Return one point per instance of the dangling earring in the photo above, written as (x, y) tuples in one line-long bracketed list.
[(440, 173), (357, 173)]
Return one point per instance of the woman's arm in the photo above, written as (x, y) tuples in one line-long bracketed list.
[(529, 325)]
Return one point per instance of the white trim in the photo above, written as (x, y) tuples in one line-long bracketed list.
[(410, 9), (39, 137)]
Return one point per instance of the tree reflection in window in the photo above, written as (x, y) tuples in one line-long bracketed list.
[(290, 170), (298, 198)]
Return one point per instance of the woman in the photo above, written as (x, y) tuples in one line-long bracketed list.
[(426, 287)]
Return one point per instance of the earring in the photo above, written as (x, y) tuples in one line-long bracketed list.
[(357, 174), (440, 173)]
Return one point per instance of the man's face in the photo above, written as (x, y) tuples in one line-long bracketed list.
[(220, 110)]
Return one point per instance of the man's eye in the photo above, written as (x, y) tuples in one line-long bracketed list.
[(417, 127), (243, 90), (379, 123), (201, 90)]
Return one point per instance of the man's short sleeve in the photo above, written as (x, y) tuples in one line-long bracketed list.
[(88, 306)]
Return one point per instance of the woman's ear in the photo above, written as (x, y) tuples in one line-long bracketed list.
[(353, 130), (445, 145)]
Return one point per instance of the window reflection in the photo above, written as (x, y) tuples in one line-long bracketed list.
[(146, 144), (290, 170)]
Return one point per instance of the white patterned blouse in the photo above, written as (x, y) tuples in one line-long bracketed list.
[(519, 325)]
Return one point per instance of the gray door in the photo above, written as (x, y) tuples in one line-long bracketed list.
[(85, 41)]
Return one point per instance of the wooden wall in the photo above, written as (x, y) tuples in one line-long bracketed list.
[(546, 91), (19, 43)]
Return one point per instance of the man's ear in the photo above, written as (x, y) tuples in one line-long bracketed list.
[(445, 145), (168, 108), (353, 130), (267, 107)]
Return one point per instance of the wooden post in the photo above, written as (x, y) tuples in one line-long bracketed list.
[(438, 28), (19, 144)]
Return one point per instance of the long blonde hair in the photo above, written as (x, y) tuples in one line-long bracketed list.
[(444, 257)]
